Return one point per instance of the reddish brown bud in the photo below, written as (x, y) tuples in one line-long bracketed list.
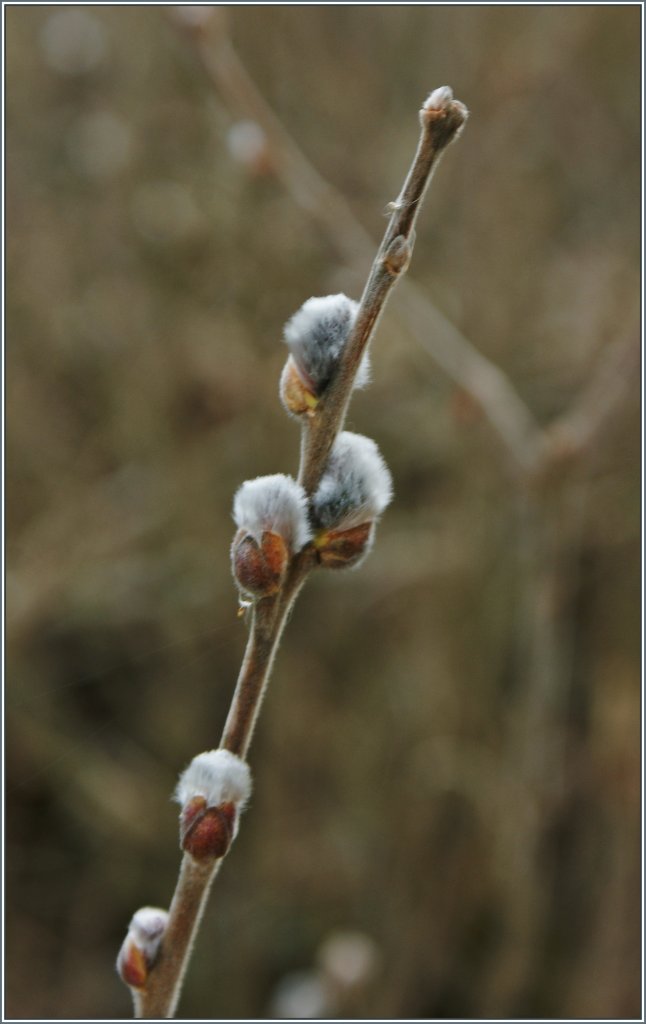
[(342, 549), (259, 568), (132, 965), (207, 832)]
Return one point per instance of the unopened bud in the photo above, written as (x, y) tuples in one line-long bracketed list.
[(443, 115), (212, 791), (354, 490), (398, 256), (141, 946), (316, 336), (271, 515)]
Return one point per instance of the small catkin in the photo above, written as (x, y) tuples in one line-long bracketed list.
[(316, 336), (141, 945), (217, 776), (276, 504), (356, 486)]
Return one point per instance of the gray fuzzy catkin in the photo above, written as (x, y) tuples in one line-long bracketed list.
[(316, 336), (356, 486), (276, 503)]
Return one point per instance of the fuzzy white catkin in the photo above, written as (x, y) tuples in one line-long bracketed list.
[(316, 336), (356, 486), (275, 503), (147, 928), (217, 775)]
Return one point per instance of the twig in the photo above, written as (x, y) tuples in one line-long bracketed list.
[(572, 435), (511, 419), (160, 996), (441, 119), (305, 185), (268, 621)]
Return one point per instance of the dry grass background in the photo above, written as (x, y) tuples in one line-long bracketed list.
[(149, 275)]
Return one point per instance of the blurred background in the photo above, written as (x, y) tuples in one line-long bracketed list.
[(446, 817)]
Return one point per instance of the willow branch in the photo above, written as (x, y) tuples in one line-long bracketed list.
[(441, 119)]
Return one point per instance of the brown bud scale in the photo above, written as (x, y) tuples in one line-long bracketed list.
[(209, 833), (341, 549), (190, 813), (444, 123), (259, 568), (132, 965), (296, 394)]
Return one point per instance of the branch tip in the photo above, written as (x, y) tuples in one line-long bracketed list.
[(439, 99), (443, 115)]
